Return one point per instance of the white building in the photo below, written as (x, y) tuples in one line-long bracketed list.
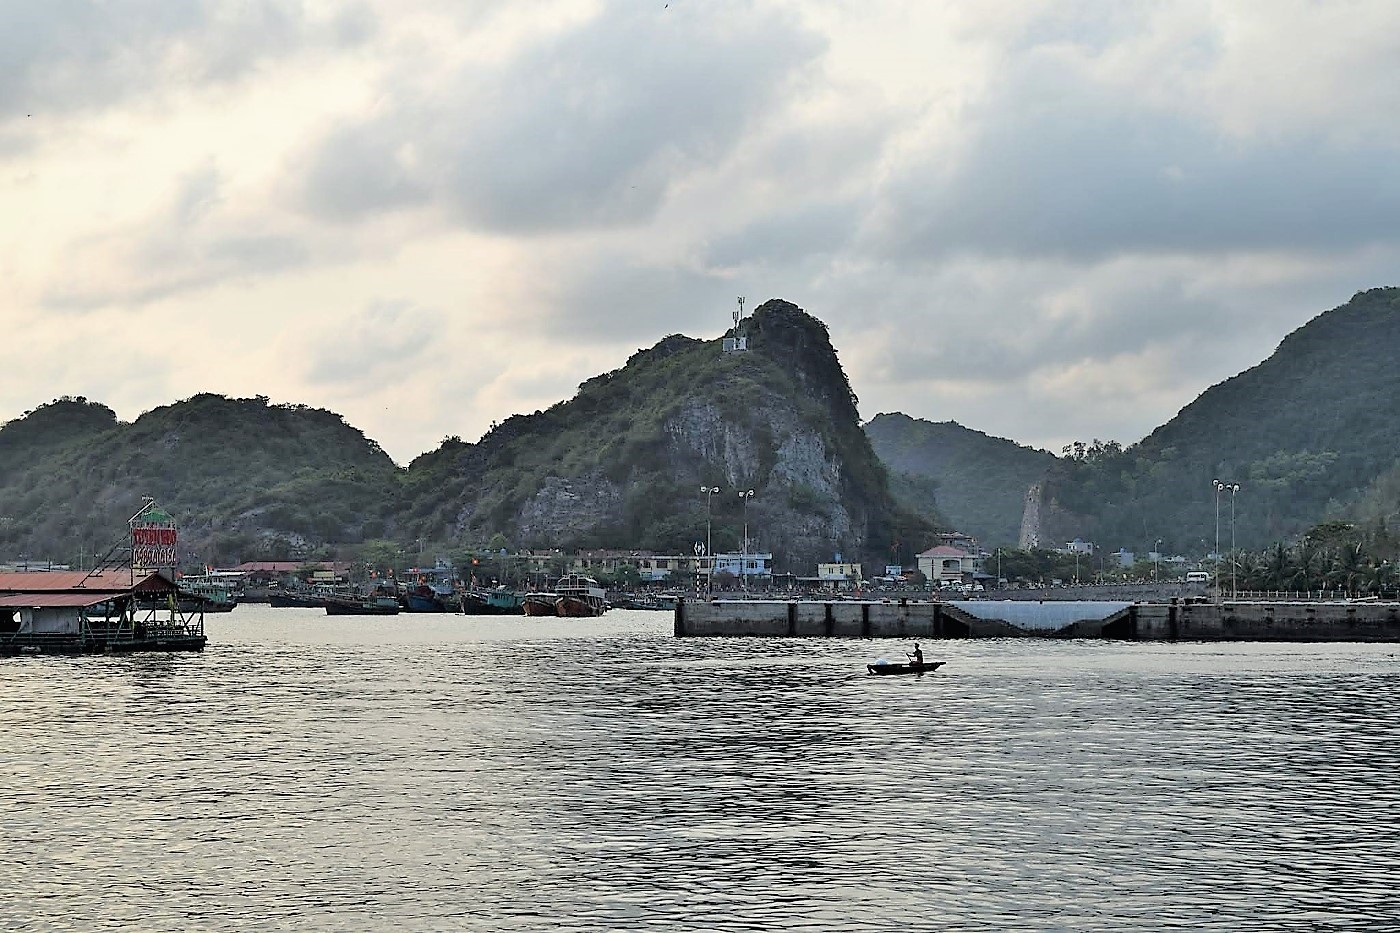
[(956, 558), (754, 566), (839, 574)]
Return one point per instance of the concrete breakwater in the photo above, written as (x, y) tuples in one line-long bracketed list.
[(1169, 621)]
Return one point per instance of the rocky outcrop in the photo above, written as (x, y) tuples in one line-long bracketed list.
[(621, 463)]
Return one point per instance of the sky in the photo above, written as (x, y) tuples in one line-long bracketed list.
[(1047, 221)]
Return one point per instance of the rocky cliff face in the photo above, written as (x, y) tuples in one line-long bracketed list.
[(621, 464)]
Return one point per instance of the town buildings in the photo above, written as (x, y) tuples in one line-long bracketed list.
[(955, 559)]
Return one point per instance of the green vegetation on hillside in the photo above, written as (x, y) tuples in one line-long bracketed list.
[(637, 442), (1311, 436), (617, 466), (976, 482), (241, 476), (1306, 434)]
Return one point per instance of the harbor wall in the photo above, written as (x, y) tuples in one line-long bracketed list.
[(1180, 620)]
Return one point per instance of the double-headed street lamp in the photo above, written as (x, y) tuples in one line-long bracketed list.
[(744, 552), (1232, 488), (1234, 555), (709, 492)]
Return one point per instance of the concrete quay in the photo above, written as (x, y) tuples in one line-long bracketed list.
[(1182, 620)]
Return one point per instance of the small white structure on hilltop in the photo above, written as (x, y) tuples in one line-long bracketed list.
[(733, 341)]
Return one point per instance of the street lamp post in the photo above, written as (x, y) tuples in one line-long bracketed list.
[(1234, 558), (1156, 558), (1218, 486), (744, 551), (708, 492)]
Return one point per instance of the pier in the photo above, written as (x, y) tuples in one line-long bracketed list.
[(1177, 620)]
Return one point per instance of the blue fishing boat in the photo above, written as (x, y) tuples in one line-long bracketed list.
[(499, 601)]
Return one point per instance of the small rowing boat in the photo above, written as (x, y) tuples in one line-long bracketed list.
[(887, 668)]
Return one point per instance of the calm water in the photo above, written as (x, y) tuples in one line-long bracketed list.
[(441, 773)]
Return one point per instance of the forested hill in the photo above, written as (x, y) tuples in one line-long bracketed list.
[(1308, 435), (621, 464), (977, 483), (1311, 434), (243, 477)]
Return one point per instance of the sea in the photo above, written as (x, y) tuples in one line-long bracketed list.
[(446, 772)]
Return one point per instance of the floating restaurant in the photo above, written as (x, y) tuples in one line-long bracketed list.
[(110, 609), (102, 611)]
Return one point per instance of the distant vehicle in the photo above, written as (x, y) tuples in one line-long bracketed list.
[(1197, 576)]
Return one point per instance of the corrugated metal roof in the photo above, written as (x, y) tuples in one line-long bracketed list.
[(104, 581), (51, 600)]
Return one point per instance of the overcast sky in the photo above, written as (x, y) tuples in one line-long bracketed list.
[(1043, 220)]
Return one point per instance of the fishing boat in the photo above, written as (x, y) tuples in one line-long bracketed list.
[(295, 599), (540, 604), (362, 606), (212, 592), (422, 598), (500, 601), (884, 667), (580, 597), (434, 589), (197, 594)]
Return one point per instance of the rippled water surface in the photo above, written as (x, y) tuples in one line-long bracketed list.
[(444, 773)]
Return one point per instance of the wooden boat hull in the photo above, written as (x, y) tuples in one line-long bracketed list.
[(575, 607), (928, 667), (294, 601), (539, 606), (337, 608)]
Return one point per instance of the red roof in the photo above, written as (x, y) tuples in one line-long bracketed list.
[(97, 581), (944, 550), (51, 600)]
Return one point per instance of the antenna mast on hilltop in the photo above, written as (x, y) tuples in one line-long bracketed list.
[(734, 341)]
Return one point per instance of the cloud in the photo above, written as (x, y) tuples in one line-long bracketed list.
[(585, 129), (796, 234), (1049, 352), (384, 342), (63, 56), (1057, 165), (1045, 219), (622, 299), (197, 240)]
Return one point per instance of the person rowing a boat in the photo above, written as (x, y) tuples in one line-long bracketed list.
[(917, 658)]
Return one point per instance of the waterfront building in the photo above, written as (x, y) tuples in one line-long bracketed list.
[(956, 558), (839, 574), (96, 611), (754, 567)]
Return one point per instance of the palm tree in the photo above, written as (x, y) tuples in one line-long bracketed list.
[(1347, 568), (1307, 561), (1381, 578), (1276, 571)]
